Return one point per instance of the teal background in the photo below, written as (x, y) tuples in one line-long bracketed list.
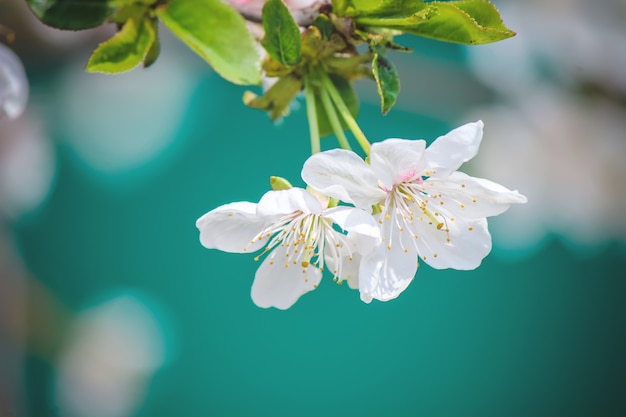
[(537, 335), (542, 337)]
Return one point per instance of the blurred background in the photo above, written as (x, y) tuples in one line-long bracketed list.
[(110, 307)]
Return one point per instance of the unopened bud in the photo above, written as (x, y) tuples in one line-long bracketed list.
[(279, 183)]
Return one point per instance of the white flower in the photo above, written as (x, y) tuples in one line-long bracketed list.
[(13, 84), (429, 209), (298, 239)]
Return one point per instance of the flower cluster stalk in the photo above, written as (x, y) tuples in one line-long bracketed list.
[(344, 112), (334, 120), (311, 113)]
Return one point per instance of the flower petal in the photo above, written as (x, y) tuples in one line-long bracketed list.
[(280, 284), (342, 174), (351, 271), (447, 153), (360, 225), (385, 273), (230, 227), (396, 160), (289, 201), (472, 198), (460, 244), (347, 267)]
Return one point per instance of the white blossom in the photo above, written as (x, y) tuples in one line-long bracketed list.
[(428, 208), (13, 84), (298, 239)]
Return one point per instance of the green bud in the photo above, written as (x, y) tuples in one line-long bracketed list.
[(279, 183)]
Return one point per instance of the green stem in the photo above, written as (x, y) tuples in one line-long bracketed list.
[(334, 120), (345, 113), (311, 113)]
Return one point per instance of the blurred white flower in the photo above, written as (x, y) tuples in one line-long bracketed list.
[(569, 144), (112, 353), (302, 10), (567, 41), (571, 154), (13, 84), (27, 165), (119, 123)]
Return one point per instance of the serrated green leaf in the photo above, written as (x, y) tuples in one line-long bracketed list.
[(73, 14), (467, 22), (484, 13), (125, 50), (217, 33), (348, 94), (387, 82), (282, 39)]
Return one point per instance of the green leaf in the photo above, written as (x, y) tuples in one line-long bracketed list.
[(276, 100), (73, 14), (352, 8), (355, 8), (155, 48), (125, 50), (387, 81), (324, 25), (217, 33), (349, 98), (282, 39), (467, 22)]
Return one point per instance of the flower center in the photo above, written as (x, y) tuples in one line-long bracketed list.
[(305, 240), (405, 204)]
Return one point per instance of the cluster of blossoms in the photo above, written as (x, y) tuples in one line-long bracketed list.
[(409, 202)]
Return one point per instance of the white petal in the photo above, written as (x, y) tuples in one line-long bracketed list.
[(449, 152), (350, 271), (13, 84), (362, 229), (289, 201), (396, 160), (385, 273), (342, 174), (279, 283), (472, 198), (347, 267), (230, 227), (469, 243)]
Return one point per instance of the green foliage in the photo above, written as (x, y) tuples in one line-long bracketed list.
[(324, 58), (217, 33), (155, 49), (324, 25), (276, 100), (282, 36), (466, 21), (126, 49), (349, 98), (387, 81), (73, 14)]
